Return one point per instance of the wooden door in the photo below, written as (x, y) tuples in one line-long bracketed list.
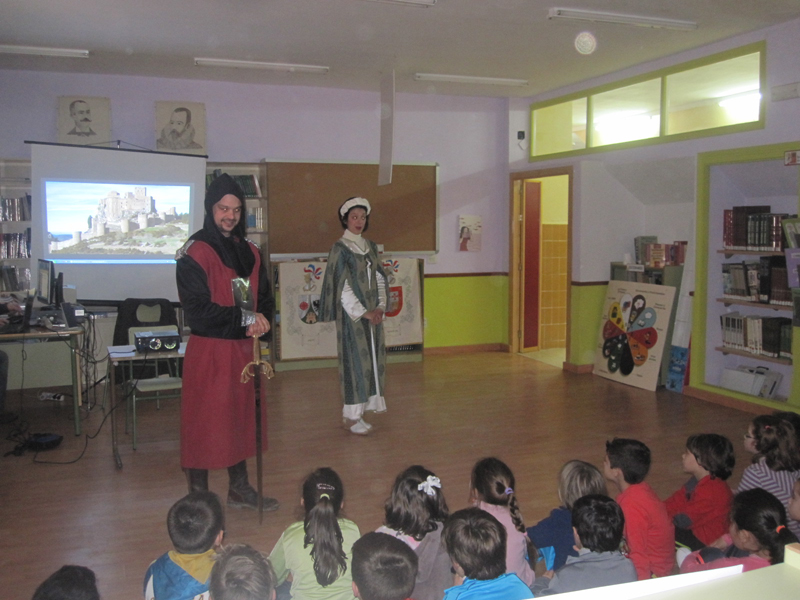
[(531, 250)]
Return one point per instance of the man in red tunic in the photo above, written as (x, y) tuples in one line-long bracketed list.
[(226, 299)]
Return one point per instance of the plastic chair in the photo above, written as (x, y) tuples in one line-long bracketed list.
[(165, 382)]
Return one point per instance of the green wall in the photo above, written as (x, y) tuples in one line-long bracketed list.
[(586, 311), (465, 311)]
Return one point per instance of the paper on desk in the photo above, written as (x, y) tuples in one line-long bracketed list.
[(122, 351)]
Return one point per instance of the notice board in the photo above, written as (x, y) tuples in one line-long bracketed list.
[(304, 199)]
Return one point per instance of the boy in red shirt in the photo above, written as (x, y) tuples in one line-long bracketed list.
[(648, 529), (700, 509)]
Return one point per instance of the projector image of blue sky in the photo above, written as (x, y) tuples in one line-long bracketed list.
[(115, 219)]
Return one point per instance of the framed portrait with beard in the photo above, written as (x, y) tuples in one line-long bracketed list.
[(181, 127), (84, 120)]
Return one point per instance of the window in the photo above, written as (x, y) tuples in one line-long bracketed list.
[(694, 99)]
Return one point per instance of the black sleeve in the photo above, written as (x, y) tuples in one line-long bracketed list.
[(203, 316), (266, 301)]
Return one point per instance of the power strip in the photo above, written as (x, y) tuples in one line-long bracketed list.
[(51, 397)]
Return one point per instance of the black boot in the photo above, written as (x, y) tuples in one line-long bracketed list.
[(198, 480), (241, 494)]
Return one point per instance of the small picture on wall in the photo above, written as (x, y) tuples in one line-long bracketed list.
[(181, 127), (469, 233), (83, 120)]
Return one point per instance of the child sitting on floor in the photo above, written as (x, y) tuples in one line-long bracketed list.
[(598, 523), (195, 524), (242, 573), (700, 509), (415, 513), (648, 530), (575, 480), (384, 568), (757, 536), (316, 551), (493, 491), (476, 543)]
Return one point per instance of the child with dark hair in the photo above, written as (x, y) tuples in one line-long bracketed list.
[(757, 536), (648, 529), (476, 543), (196, 526), (598, 524), (700, 510), (70, 582), (776, 466), (415, 513), (553, 535), (492, 490), (384, 568), (242, 573), (321, 572)]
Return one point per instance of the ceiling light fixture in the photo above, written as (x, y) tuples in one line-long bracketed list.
[(470, 79), (579, 14), (417, 3), (42, 51), (268, 66)]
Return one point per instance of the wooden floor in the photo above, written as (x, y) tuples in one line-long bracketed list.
[(445, 413)]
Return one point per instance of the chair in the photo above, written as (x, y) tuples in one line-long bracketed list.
[(156, 378)]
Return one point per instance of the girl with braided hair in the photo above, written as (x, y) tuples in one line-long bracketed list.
[(317, 550), (492, 490), (757, 536)]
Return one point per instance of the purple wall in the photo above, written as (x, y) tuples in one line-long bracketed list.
[(466, 136)]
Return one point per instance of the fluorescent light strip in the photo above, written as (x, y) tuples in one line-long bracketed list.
[(42, 51), (470, 79), (268, 66), (578, 14), (417, 3)]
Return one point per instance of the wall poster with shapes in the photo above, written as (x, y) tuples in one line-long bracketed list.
[(470, 228), (303, 336), (633, 333), (181, 127), (83, 120)]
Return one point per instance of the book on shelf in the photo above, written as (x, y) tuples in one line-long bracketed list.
[(15, 245), (791, 231), (793, 266), (765, 232), (735, 235), (639, 243), (248, 183), (760, 336), (16, 209), (741, 280)]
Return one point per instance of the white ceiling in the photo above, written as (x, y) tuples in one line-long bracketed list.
[(360, 40)]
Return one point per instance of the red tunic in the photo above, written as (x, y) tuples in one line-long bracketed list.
[(217, 410)]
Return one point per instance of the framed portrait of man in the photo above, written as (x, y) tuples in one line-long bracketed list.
[(181, 127), (84, 120)]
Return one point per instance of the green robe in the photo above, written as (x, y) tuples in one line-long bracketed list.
[(353, 338)]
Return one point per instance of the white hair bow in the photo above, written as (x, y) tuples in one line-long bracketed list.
[(427, 486)]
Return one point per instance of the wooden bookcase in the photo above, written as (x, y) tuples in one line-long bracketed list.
[(15, 182), (742, 177)]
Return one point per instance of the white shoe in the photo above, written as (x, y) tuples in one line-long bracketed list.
[(360, 428), (365, 424)]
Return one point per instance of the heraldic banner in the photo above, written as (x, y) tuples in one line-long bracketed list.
[(303, 336)]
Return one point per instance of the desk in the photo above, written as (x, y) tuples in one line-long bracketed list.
[(71, 336), (113, 361)]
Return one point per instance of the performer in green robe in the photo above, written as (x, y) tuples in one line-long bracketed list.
[(354, 294)]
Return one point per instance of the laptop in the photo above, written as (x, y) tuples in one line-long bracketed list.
[(20, 326)]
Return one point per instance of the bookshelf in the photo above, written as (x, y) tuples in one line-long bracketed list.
[(743, 177), (252, 178), (15, 224)]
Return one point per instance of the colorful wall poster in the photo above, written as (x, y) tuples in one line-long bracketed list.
[(633, 333)]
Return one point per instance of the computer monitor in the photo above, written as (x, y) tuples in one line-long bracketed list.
[(44, 281)]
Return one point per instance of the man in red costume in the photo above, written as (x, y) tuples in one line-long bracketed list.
[(226, 299)]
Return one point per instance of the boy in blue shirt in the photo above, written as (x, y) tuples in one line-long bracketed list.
[(196, 526), (476, 543)]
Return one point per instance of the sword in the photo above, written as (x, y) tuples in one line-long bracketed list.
[(255, 369)]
